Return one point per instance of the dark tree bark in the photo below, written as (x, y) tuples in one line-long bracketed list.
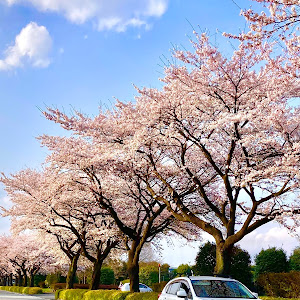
[(103, 249), (223, 260), (19, 278), (72, 271), (32, 273), (25, 281), (133, 267), (96, 275)]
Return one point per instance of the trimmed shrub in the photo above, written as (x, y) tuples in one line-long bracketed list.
[(73, 294), (25, 290), (22, 290), (56, 295), (35, 290), (142, 296), (285, 285), (47, 290), (105, 295), (158, 287)]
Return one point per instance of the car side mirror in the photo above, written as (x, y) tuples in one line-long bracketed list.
[(255, 294), (181, 293)]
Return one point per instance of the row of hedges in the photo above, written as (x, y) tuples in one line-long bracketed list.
[(22, 290), (61, 286), (285, 285), (102, 295)]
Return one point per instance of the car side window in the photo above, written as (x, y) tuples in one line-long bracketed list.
[(184, 285), (173, 288), (142, 286)]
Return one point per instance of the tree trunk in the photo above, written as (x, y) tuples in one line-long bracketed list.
[(31, 279), (72, 272), (96, 274), (223, 260), (20, 279), (25, 278), (133, 267), (133, 274)]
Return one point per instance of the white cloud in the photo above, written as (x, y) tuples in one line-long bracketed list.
[(32, 46), (270, 235), (116, 15)]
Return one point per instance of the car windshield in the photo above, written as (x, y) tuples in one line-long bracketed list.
[(221, 289)]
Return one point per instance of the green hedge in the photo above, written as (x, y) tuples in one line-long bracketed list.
[(72, 294), (103, 295), (142, 296), (22, 290), (285, 285)]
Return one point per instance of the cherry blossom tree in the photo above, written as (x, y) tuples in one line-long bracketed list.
[(218, 146), (25, 256), (277, 24), (119, 187), (6, 268), (53, 202)]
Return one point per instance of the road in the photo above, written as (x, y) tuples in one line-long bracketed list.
[(14, 296)]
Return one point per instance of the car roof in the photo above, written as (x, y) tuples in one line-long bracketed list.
[(206, 278)]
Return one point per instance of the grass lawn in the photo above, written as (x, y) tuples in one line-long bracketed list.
[(276, 298)]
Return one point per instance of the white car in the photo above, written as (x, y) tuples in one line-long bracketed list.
[(143, 287), (199, 287)]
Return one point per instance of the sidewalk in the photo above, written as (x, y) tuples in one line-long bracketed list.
[(4, 295)]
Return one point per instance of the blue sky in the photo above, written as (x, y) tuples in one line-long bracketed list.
[(82, 54)]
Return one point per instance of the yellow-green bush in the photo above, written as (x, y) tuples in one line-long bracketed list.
[(285, 285), (142, 296), (76, 294), (57, 294), (22, 290), (25, 290), (105, 295), (158, 287), (73, 294)]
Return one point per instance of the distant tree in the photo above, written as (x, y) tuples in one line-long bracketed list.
[(53, 278), (119, 267), (294, 261), (107, 276), (164, 272), (184, 269), (149, 274), (205, 259), (240, 263), (241, 266), (271, 260)]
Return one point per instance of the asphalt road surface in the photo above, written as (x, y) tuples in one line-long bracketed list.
[(4, 295)]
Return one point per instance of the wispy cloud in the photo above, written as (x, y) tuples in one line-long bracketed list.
[(32, 46), (116, 15), (270, 235)]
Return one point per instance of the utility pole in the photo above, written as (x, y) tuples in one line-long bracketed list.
[(159, 272)]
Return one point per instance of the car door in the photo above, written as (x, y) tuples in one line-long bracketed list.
[(171, 291), (185, 286)]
